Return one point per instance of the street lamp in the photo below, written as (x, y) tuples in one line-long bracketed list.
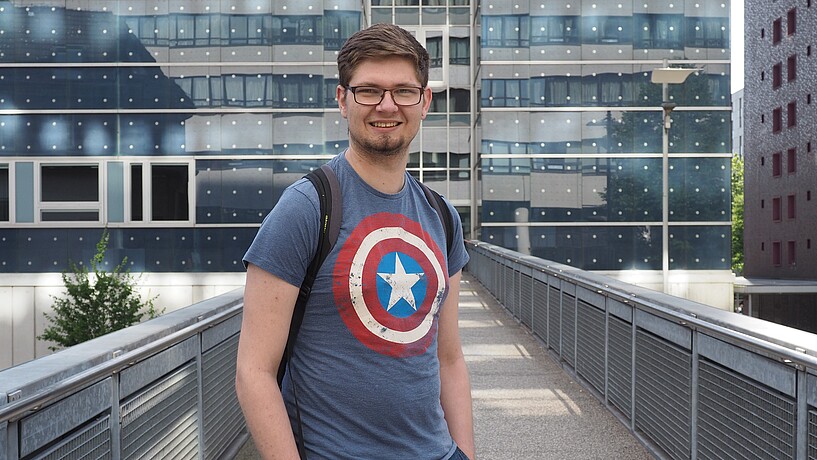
[(666, 76)]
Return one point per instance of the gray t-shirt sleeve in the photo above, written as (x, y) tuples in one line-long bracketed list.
[(286, 241)]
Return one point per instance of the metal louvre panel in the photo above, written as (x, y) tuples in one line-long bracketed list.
[(555, 315), (812, 434), (90, 442), (525, 299), (620, 365), (223, 421), (590, 346), (162, 420), (508, 294), (737, 418), (569, 328), (663, 394), (540, 310)]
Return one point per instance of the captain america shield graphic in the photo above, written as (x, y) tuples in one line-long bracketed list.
[(389, 281)]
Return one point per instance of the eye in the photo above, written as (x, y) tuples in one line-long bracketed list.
[(368, 91), (405, 91)]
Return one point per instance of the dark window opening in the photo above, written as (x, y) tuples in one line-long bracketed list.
[(169, 200), (69, 183), (791, 21), (4, 193), (791, 161), (136, 193), (791, 68)]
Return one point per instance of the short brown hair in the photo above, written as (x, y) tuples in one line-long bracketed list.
[(377, 42)]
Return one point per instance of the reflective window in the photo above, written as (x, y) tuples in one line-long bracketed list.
[(459, 50), (505, 93), (505, 31), (69, 192), (554, 30), (4, 193), (662, 31), (607, 29), (339, 26), (707, 32), (168, 190)]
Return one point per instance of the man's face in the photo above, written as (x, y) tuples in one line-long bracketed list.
[(384, 129)]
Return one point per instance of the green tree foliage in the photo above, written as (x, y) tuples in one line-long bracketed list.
[(97, 302), (737, 214)]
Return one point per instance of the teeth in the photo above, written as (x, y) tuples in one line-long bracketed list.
[(384, 125)]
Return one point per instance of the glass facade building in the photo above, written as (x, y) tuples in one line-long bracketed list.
[(178, 123)]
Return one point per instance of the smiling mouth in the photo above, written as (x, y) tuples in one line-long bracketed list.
[(382, 124)]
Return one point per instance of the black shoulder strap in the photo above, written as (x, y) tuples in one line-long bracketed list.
[(326, 184), (438, 203)]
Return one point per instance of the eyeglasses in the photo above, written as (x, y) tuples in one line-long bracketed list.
[(372, 95)]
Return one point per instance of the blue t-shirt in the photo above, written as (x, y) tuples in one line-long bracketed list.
[(365, 363)]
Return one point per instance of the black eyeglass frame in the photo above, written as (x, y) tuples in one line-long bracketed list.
[(353, 89)]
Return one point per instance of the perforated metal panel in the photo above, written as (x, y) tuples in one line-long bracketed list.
[(162, 420), (620, 365), (223, 420), (737, 418), (555, 324), (525, 299), (569, 328), (90, 442), (540, 310), (663, 395), (590, 345), (812, 434)]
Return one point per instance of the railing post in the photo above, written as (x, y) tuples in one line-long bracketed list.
[(200, 396), (116, 419), (801, 430), (694, 384)]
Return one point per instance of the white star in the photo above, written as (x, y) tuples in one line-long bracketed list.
[(401, 284)]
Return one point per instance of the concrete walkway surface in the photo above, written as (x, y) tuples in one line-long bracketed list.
[(525, 405)]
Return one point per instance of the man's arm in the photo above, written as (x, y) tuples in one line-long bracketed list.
[(455, 394), (268, 305)]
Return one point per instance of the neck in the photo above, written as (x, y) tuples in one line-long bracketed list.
[(385, 174)]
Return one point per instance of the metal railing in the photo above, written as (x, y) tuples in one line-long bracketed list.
[(690, 381), (160, 389)]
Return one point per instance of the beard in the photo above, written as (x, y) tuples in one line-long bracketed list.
[(382, 146)]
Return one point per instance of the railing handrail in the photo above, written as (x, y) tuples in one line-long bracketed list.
[(759, 335), (17, 409)]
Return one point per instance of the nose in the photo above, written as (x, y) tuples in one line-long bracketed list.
[(387, 103)]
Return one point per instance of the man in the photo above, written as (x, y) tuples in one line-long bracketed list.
[(377, 368)]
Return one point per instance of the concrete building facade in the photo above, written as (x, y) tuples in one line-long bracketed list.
[(780, 162)]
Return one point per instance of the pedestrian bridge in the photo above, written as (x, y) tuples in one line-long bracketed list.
[(576, 365)]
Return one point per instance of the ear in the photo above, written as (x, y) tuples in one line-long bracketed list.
[(426, 101), (340, 94)]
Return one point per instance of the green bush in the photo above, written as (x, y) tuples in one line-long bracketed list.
[(95, 305)]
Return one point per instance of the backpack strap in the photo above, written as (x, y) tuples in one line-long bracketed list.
[(328, 228), (326, 184), (438, 203)]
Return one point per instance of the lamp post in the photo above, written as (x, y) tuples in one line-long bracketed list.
[(666, 76)]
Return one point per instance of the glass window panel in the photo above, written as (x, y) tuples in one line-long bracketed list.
[(699, 189), (66, 183), (77, 215), (700, 248), (169, 200), (4, 193), (136, 200), (554, 30), (459, 49)]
